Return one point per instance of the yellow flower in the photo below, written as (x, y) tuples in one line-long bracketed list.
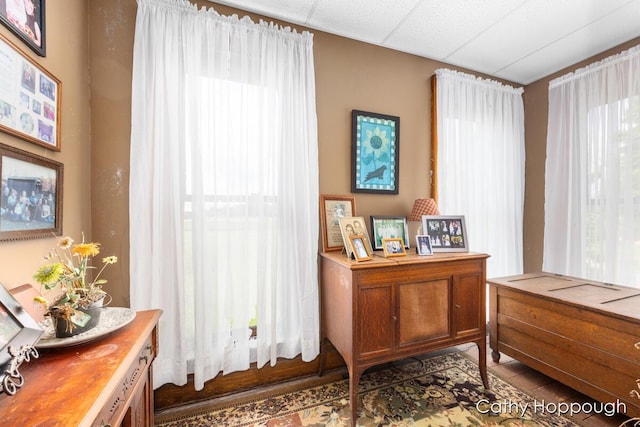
[(86, 249), (49, 274), (41, 300)]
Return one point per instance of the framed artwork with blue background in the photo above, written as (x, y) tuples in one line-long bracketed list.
[(375, 153)]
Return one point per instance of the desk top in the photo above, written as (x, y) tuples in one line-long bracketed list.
[(65, 386), (380, 261), (604, 297)]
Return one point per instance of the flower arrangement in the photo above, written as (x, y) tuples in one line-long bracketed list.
[(66, 268)]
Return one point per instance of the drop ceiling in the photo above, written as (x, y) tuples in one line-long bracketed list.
[(516, 40)]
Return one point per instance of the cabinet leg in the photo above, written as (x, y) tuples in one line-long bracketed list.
[(354, 379), (482, 362), (495, 356)]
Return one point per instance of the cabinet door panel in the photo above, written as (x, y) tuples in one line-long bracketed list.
[(423, 311), (376, 323), (469, 296)]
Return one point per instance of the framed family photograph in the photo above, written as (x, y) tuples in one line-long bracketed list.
[(31, 195), (30, 98), (360, 248), (447, 233), (25, 19), (423, 245), (354, 226), (375, 153), (386, 227), (393, 247), (332, 208)]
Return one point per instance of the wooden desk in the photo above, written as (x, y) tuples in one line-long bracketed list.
[(388, 309), (107, 382), (579, 332)]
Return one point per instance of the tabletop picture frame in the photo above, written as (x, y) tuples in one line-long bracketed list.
[(30, 104), (354, 226), (27, 22), (393, 247), (375, 153), (332, 208), (423, 244), (386, 226), (448, 233), (359, 248), (31, 195)]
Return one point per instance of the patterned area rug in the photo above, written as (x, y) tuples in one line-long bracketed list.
[(444, 390)]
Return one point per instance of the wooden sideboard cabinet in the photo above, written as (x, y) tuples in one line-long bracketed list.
[(387, 309), (106, 382), (580, 332)]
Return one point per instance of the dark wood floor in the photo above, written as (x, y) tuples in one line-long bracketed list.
[(541, 387), (538, 385)]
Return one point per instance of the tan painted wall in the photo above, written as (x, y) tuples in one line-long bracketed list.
[(349, 75), (67, 58)]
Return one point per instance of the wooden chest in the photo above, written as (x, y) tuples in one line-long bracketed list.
[(579, 332)]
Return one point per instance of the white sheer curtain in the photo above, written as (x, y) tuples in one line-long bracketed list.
[(592, 185), (481, 160), (223, 190)]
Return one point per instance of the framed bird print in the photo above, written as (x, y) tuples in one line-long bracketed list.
[(375, 152)]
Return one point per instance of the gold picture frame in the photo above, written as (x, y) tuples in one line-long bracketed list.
[(31, 104), (393, 247), (359, 247)]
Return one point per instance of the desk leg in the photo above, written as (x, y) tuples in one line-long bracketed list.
[(354, 379), (482, 361)]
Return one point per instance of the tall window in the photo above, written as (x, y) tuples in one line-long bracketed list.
[(592, 197), (481, 160), (223, 190)]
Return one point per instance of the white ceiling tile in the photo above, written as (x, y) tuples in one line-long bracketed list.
[(293, 11), (361, 18), (517, 40), (620, 27), (437, 28), (529, 29)]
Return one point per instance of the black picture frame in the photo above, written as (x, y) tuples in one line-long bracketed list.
[(27, 31), (448, 233), (17, 328), (375, 153), (386, 227), (41, 179)]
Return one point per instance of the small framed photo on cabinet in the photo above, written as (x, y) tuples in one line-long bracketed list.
[(393, 247), (423, 245), (359, 248), (386, 227), (447, 233)]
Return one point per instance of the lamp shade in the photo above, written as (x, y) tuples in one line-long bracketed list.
[(423, 207)]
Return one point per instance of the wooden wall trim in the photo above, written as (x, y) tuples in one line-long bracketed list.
[(434, 139), (171, 396)]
